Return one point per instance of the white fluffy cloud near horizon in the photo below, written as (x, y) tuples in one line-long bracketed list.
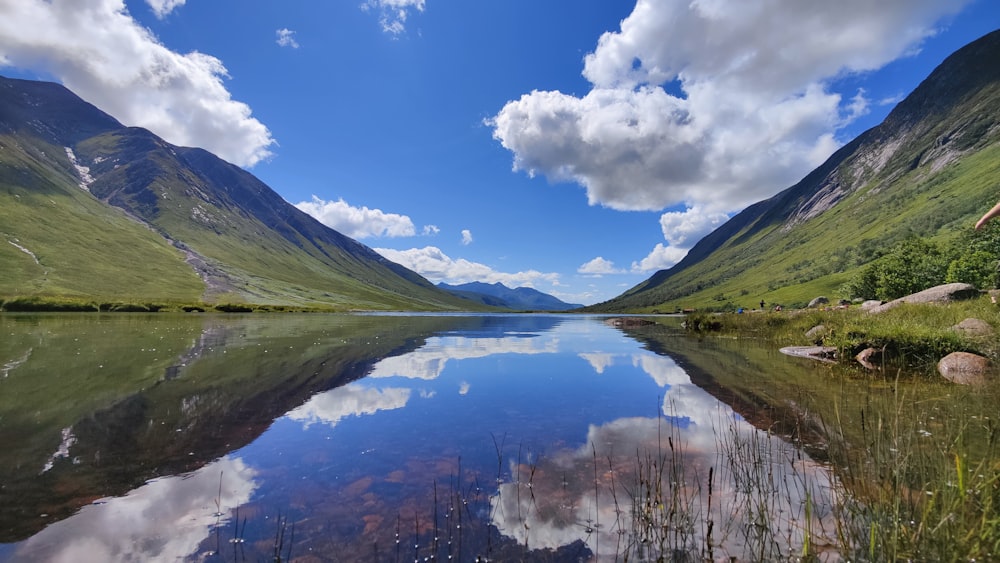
[(710, 105), (361, 222), (97, 50), (438, 267)]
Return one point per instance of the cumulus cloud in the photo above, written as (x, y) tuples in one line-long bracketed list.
[(660, 258), (393, 13), (163, 7), (466, 237), (96, 49), (358, 222), (713, 104), (438, 267), (684, 228), (286, 38), (431, 230), (598, 267)]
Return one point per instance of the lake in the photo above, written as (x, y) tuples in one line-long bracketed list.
[(319, 437)]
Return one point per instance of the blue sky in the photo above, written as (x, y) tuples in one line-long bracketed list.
[(574, 146)]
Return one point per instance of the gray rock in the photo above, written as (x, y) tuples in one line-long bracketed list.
[(816, 333), (870, 304), (974, 328), (821, 300), (964, 368), (822, 353), (939, 294)]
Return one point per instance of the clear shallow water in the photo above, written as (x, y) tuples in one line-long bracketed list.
[(389, 438)]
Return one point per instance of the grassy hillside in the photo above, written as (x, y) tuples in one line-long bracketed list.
[(79, 247), (90, 209), (930, 170)]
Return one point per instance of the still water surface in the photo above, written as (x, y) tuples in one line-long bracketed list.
[(387, 438)]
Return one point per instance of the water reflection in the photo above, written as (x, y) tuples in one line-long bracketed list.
[(164, 520), (541, 437)]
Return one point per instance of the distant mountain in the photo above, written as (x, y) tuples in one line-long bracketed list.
[(92, 209), (499, 295), (930, 169)]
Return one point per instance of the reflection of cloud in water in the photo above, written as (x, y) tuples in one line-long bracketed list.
[(350, 400), (664, 371), (429, 361), (758, 479), (599, 361), (163, 520)]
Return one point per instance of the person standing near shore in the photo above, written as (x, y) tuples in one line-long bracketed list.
[(989, 215)]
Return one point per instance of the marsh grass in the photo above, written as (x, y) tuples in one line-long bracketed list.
[(920, 482), (914, 336), (925, 483)]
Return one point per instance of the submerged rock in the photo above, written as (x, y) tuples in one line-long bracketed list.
[(866, 356), (628, 322), (964, 368), (821, 353)]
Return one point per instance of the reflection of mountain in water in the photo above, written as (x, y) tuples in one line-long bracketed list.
[(215, 396)]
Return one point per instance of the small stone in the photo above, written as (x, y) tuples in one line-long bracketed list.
[(864, 358)]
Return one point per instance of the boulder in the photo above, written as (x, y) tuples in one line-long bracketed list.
[(818, 301), (870, 304), (964, 368), (817, 333), (938, 294), (974, 328)]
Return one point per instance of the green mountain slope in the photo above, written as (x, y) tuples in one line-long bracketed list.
[(930, 170), (92, 209)]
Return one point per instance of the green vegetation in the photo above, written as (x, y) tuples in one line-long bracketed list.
[(914, 336), (919, 181), (916, 458)]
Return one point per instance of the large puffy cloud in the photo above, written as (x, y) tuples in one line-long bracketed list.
[(96, 49), (712, 103), (437, 266), (359, 222)]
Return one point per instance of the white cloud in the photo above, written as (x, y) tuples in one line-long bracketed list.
[(96, 49), (393, 13), (286, 38), (684, 228), (466, 237), (431, 230), (161, 8), (660, 258), (358, 222), (599, 266), (438, 267), (713, 104)]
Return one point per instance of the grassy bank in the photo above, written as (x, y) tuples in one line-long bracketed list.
[(70, 305), (911, 336)]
